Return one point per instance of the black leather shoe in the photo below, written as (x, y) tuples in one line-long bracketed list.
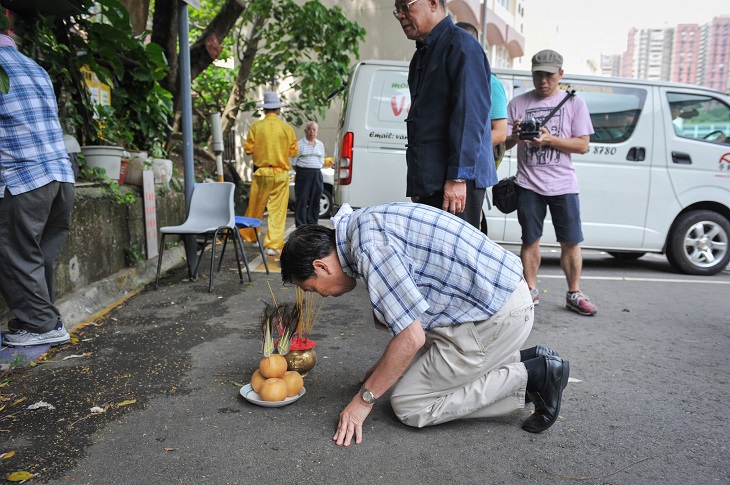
[(533, 352), (547, 400), (536, 351)]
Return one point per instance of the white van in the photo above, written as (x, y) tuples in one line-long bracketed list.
[(655, 180)]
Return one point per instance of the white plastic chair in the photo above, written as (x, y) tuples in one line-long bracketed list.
[(212, 213)]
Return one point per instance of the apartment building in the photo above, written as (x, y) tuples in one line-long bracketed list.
[(687, 53), (716, 69)]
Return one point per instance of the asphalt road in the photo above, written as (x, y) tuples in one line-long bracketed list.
[(647, 404)]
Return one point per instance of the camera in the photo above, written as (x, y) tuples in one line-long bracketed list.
[(529, 129)]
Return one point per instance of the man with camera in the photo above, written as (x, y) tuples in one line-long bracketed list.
[(545, 173)]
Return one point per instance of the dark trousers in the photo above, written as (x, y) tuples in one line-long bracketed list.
[(307, 194), (473, 208), (33, 230)]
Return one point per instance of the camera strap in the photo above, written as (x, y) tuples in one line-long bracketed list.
[(571, 93)]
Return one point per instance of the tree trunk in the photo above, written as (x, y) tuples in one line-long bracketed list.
[(138, 13), (230, 113), (165, 33), (205, 50)]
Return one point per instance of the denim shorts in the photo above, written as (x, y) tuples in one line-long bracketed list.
[(564, 210)]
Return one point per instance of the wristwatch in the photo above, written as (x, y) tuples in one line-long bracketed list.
[(458, 180), (367, 395)]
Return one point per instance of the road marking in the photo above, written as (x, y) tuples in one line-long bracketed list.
[(629, 278)]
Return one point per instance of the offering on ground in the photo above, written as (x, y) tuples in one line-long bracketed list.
[(273, 381)]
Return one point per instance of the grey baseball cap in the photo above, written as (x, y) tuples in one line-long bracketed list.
[(547, 61)]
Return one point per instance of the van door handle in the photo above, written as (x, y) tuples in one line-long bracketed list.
[(681, 158), (636, 154)]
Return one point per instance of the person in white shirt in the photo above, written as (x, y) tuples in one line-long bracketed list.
[(308, 185)]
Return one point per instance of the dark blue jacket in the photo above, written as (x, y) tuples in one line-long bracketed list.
[(449, 130)]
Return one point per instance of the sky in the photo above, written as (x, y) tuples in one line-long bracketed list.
[(590, 28)]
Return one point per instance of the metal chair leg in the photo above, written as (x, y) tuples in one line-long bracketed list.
[(239, 239), (261, 248), (159, 260), (197, 264), (236, 248), (212, 260), (223, 251)]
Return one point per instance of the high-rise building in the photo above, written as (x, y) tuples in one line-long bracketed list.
[(716, 72), (651, 57), (687, 53), (611, 65)]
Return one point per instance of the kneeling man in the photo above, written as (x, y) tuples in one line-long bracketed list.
[(456, 304)]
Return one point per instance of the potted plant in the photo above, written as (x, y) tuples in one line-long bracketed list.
[(106, 145), (159, 163)]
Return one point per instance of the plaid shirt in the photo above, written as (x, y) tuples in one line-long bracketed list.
[(32, 152), (422, 262)]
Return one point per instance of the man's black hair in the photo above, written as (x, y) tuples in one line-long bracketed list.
[(469, 28), (307, 243)]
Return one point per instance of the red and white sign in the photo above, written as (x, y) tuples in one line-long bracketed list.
[(150, 212)]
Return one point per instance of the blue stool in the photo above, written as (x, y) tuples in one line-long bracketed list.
[(253, 223)]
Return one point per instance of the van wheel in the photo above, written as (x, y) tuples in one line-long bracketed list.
[(698, 243), (625, 256), (325, 203)]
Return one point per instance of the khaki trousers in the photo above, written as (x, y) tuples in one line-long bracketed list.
[(269, 190), (472, 370)]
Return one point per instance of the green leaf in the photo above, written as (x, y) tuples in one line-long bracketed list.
[(4, 81)]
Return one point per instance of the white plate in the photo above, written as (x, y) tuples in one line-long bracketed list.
[(250, 395)]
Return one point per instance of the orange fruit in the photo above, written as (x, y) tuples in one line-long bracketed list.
[(294, 382), (257, 380), (273, 389), (273, 366)]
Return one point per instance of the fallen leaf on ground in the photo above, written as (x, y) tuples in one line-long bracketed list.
[(7, 455), (19, 476), (171, 449), (127, 402), (97, 410)]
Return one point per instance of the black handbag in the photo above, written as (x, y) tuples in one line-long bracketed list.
[(504, 195)]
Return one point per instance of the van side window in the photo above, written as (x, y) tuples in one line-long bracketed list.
[(700, 117), (614, 111)]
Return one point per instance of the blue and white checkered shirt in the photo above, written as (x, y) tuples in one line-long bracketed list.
[(32, 152), (422, 262)]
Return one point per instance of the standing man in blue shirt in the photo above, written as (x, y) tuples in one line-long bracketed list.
[(449, 152), (36, 200), (456, 304)]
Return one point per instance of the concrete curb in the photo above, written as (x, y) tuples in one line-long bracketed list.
[(95, 299)]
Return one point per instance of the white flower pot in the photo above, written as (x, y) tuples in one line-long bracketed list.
[(107, 157)]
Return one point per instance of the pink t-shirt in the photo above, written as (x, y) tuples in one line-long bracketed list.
[(546, 170)]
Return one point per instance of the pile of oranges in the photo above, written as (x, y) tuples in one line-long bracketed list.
[(272, 382)]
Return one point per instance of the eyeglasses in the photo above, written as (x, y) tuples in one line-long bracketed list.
[(403, 8)]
